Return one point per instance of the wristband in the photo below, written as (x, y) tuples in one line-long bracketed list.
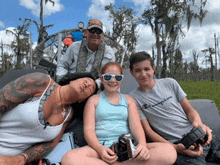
[(25, 157)]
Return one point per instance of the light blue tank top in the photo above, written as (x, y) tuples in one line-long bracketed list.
[(20, 128), (111, 119)]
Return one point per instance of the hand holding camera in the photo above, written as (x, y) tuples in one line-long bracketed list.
[(195, 137), (124, 148)]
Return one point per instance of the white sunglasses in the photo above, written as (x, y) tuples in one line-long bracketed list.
[(108, 77)]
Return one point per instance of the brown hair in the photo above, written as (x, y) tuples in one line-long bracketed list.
[(138, 57), (106, 66)]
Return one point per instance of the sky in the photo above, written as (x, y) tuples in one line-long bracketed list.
[(66, 14)]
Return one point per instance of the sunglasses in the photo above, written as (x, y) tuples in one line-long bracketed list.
[(95, 30), (108, 77)]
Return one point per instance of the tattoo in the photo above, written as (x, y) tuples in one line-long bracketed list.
[(21, 89), (38, 151)]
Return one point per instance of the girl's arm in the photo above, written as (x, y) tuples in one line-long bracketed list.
[(89, 122), (135, 122), (141, 153), (22, 89)]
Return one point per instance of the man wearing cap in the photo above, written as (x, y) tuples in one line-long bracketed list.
[(87, 55)]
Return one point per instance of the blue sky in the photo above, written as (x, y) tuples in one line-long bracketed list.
[(64, 15), (67, 13)]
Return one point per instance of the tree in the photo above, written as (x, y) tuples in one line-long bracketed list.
[(40, 27), (211, 51), (177, 64), (195, 65), (8, 61), (165, 19), (21, 43), (185, 70), (42, 30), (124, 25)]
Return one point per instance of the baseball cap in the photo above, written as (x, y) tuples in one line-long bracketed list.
[(95, 23)]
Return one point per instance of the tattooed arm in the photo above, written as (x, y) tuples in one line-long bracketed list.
[(39, 150), (22, 89), (36, 152)]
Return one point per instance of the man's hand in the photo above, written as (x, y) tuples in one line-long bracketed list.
[(12, 160), (191, 151)]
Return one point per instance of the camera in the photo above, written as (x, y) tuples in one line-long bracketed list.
[(195, 137)]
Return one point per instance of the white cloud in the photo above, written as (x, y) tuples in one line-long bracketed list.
[(146, 38), (103, 2), (6, 38), (140, 6), (213, 5), (34, 6), (199, 38), (2, 25), (202, 37), (97, 10)]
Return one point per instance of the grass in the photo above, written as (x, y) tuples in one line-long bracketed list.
[(202, 90)]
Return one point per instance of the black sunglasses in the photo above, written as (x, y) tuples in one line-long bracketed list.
[(95, 30), (108, 77)]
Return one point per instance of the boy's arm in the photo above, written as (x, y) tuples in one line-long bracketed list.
[(195, 119), (150, 134), (180, 148)]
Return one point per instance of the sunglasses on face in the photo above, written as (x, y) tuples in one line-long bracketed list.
[(108, 77), (95, 30)]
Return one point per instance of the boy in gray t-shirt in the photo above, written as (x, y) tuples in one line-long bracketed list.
[(166, 114), (161, 107)]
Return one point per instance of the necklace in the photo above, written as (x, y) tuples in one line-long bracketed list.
[(63, 113)]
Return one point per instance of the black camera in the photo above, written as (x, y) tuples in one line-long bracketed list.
[(195, 137), (124, 148)]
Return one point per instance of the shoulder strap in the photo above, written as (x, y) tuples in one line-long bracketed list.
[(123, 97), (82, 57), (99, 57), (47, 87)]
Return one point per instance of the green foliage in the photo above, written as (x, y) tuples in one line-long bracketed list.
[(21, 44), (202, 90), (167, 19), (125, 26)]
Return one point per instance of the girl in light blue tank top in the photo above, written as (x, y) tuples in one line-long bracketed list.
[(111, 119)]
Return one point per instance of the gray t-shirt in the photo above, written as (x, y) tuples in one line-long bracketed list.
[(161, 107)]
